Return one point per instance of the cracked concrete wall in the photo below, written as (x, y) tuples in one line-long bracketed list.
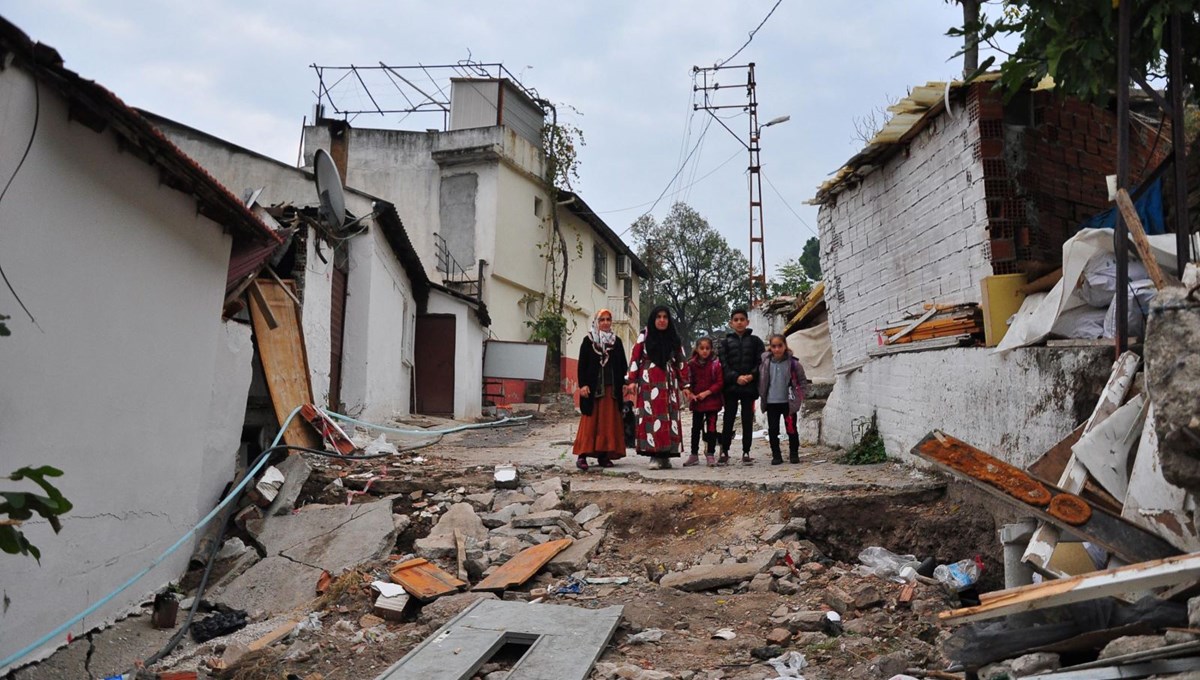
[(1015, 406), (114, 384)]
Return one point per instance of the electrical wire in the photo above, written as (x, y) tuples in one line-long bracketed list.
[(37, 116), (789, 206), (672, 180), (749, 39)]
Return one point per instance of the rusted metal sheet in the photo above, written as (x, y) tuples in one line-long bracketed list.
[(524, 565), (1122, 538), (284, 360), (424, 580)]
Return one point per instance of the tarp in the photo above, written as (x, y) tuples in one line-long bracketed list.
[(1149, 208), (814, 349), (1044, 313)]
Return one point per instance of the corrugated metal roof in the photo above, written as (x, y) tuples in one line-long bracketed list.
[(909, 115)]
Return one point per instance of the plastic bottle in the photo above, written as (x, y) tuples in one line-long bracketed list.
[(959, 576)]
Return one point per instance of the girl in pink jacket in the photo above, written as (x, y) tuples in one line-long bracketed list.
[(702, 386)]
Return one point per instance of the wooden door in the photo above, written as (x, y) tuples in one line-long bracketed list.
[(337, 324), (433, 359)]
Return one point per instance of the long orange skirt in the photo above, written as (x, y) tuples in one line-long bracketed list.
[(602, 432)]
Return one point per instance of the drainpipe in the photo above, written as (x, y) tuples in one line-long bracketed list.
[(1014, 538)]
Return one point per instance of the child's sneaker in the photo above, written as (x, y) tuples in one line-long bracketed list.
[(692, 460), (723, 460), (747, 460), (710, 460), (777, 459), (794, 457)]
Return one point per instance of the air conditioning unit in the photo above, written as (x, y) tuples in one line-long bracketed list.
[(622, 266)]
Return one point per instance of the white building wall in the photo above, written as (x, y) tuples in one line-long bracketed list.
[(1014, 406), (316, 314), (115, 383), (914, 231), (468, 353), (378, 341)]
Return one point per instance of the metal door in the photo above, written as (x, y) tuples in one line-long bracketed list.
[(433, 358), (337, 323)]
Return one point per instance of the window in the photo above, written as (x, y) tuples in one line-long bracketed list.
[(537, 206), (627, 293), (600, 265)]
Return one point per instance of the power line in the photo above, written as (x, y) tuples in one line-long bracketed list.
[(749, 39), (672, 180), (789, 206), (698, 180)]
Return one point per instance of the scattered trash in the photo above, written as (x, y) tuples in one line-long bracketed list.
[(571, 586), (216, 625), (380, 446), (311, 622), (789, 665), (884, 563), (607, 580), (724, 634), (832, 624), (387, 589), (961, 575), (648, 635)]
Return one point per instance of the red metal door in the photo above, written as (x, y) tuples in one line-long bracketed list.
[(337, 323), (433, 358)]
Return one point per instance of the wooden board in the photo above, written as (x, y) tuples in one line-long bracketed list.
[(424, 580), (284, 361), (1106, 530), (815, 297), (912, 326), (1133, 578), (1051, 464), (1145, 254), (276, 634), (523, 566)]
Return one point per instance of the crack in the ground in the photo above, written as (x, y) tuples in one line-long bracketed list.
[(87, 660)]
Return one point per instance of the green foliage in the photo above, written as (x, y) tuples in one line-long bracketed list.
[(549, 327), (868, 444), (810, 259), (789, 279), (560, 142), (693, 270), (22, 505), (1076, 43)]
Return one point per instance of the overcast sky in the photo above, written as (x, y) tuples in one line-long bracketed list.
[(240, 70)]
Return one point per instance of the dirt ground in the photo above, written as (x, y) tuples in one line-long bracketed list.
[(658, 525)]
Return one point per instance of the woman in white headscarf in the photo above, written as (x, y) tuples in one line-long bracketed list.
[(602, 367)]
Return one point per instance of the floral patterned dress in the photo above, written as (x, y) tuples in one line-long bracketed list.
[(657, 403)]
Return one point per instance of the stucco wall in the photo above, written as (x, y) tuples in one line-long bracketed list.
[(914, 231), (115, 384), (1015, 406), (468, 353)]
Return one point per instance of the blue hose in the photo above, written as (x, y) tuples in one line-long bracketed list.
[(399, 430)]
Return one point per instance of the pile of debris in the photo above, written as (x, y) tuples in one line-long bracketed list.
[(937, 326)]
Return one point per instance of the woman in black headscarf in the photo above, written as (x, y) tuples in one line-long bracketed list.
[(653, 383)]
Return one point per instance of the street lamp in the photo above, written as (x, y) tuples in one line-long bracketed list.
[(757, 236), (776, 121)]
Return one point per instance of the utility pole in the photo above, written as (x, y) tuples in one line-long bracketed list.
[(711, 87)]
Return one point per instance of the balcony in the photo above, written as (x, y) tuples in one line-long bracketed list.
[(624, 310)]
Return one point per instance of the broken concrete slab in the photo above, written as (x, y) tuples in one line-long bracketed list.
[(553, 485), (276, 584), (576, 557), (773, 533), (295, 471), (440, 541), (600, 522), (708, 577), (366, 532), (567, 642), (805, 621), (506, 498), (549, 501), (504, 515), (481, 501), (588, 514), (443, 609), (536, 520)]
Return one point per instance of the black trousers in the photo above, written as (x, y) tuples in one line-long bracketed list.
[(774, 413), (732, 402), (704, 423)]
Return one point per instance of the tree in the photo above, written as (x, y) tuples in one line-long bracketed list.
[(693, 270), (810, 259), (1076, 43), (798, 275)]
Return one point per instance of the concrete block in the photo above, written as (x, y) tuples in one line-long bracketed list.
[(576, 557)]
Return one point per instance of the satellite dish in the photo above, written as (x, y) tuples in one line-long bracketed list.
[(329, 190)]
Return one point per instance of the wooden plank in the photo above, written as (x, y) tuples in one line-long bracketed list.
[(1074, 477), (276, 634), (460, 547), (1106, 530), (912, 326), (424, 580), (815, 297), (260, 303), (1138, 234), (1152, 502), (1133, 578), (523, 566), (1052, 463), (938, 343), (284, 361)]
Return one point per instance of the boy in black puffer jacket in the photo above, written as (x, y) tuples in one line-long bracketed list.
[(740, 353)]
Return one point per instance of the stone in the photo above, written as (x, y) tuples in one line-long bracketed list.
[(576, 557), (588, 514), (780, 612), (369, 621), (401, 522), (445, 608), (761, 583), (535, 520), (440, 541), (481, 501), (506, 477), (708, 577), (509, 531), (766, 652), (1193, 608), (475, 567), (553, 485), (1132, 643), (549, 501), (1176, 637), (996, 671), (779, 636), (504, 499), (506, 545), (295, 471), (836, 599), (773, 533), (867, 596), (888, 665), (276, 584), (859, 627), (811, 621), (797, 525), (329, 537), (780, 570), (785, 586), (232, 548), (1032, 664), (599, 523), (504, 515), (234, 651)]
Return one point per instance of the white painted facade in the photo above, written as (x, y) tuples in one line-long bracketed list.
[(130, 382), (1014, 406), (913, 231)]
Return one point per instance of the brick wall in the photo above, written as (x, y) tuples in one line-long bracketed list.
[(1045, 158), (912, 231)]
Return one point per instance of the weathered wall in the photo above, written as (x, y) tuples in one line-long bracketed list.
[(913, 231), (1015, 406), (115, 384), (468, 353)]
